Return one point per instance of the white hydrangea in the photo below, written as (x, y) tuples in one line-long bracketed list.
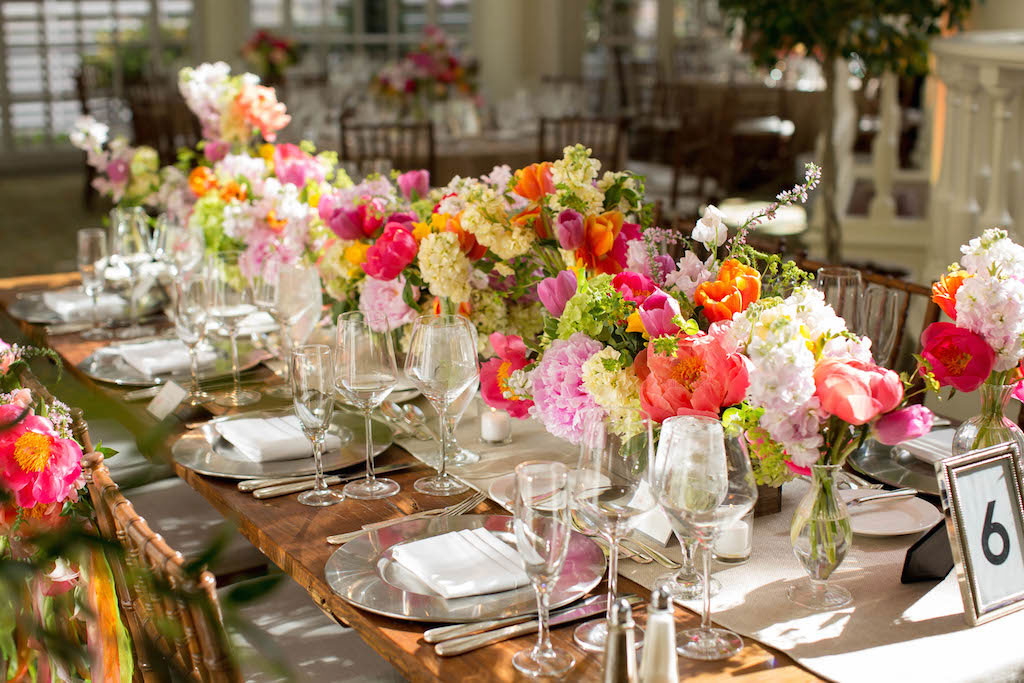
[(610, 389), (994, 308), (486, 218), (711, 230), (444, 267), (88, 133)]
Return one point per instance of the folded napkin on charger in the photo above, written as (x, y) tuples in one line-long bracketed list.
[(264, 439), (257, 323), (162, 356), (462, 563), (932, 447), (73, 304)]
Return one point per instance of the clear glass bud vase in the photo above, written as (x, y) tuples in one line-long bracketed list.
[(821, 536), (991, 427)]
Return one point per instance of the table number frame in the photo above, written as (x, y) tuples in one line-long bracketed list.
[(952, 473)]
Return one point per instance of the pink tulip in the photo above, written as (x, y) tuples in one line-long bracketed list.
[(414, 184), (555, 292), (569, 229), (854, 391), (657, 312), (957, 357), (346, 221), (901, 425)]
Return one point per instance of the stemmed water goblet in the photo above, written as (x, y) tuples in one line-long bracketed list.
[(191, 308), (542, 529), (703, 487), (843, 289), (230, 303), (177, 246), (312, 378), (442, 363), (457, 455), (131, 243), (610, 490), (92, 255), (293, 297), (366, 373)]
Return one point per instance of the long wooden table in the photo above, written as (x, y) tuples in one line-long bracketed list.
[(292, 537)]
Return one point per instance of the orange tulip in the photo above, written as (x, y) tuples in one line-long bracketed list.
[(944, 291), (534, 181), (467, 240), (464, 308), (599, 237), (737, 287), (201, 180), (274, 223), (233, 190), (532, 218)]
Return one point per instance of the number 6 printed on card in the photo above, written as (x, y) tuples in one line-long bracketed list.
[(983, 500)]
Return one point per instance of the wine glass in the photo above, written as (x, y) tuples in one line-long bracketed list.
[(92, 254), (610, 490), (191, 307), (457, 455), (882, 313), (132, 245), (686, 583), (230, 303), (442, 363), (179, 247), (703, 487), (366, 373), (293, 297), (542, 527), (313, 397), (842, 288)]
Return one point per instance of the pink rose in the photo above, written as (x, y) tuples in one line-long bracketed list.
[(555, 292), (657, 313), (855, 391), (414, 184), (569, 229), (391, 253), (901, 425), (957, 357)]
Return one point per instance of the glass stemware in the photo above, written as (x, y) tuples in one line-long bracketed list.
[(230, 303), (366, 374), (92, 254), (843, 289), (191, 306), (442, 363), (293, 298), (703, 487), (132, 244), (882, 313), (178, 247), (610, 490), (313, 397), (457, 455), (542, 528), (686, 583)]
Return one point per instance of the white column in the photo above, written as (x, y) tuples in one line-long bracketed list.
[(885, 151), (998, 85), (964, 209), (222, 27)]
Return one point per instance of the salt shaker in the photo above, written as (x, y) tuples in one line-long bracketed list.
[(620, 645), (659, 659)]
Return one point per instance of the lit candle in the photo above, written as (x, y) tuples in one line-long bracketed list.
[(495, 425), (733, 543)]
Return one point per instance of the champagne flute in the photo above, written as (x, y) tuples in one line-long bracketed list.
[(882, 313), (92, 253), (230, 303), (442, 363), (293, 297), (610, 490), (843, 289), (542, 527), (313, 397), (366, 374), (190, 314), (703, 487), (132, 246)]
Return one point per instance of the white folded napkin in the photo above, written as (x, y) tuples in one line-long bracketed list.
[(264, 439), (461, 563), (162, 356), (258, 322), (654, 523), (933, 446), (73, 304)]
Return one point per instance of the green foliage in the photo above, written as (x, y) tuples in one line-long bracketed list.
[(597, 310)]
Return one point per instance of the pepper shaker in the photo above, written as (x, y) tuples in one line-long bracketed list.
[(620, 646)]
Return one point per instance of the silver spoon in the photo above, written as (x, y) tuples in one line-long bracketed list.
[(417, 419), (394, 414)]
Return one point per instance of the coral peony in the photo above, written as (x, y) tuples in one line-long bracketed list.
[(555, 292), (901, 425), (534, 181), (394, 250), (703, 377), (957, 357), (569, 229), (36, 465), (258, 106), (560, 401), (944, 291), (510, 356), (414, 184), (854, 391), (736, 287)]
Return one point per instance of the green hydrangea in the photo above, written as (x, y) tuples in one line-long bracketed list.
[(767, 456), (208, 215), (526, 319)]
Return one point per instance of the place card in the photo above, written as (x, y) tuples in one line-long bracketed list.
[(166, 400), (983, 500)]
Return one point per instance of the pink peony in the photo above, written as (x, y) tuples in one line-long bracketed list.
[(348, 222), (901, 425), (854, 391), (569, 229), (36, 465), (633, 286), (620, 247), (705, 375), (118, 170), (558, 396), (657, 313), (382, 303), (554, 292), (414, 184), (405, 218), (215, 150), (258, 105), (510, 356), (292, 165), (391, 253), (957, 357)]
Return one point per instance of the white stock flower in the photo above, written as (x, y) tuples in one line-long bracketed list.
[(444, 267), (994, 308), (993, 254)]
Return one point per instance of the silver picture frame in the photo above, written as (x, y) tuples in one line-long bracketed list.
[(950, 471)]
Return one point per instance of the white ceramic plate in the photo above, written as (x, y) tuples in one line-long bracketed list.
[(890, 517)]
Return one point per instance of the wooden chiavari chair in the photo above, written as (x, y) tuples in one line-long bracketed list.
[(161, 119), (604, 136), (402, 146)]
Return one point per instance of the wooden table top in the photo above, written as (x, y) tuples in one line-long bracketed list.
[(293, 536)]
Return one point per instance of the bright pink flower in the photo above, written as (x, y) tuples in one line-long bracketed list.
[(383, 305), (405, 218), (117, 170), (494, 374), (620, 248), (259, 107), (657, 313), (702, 378), (292, 165), (7, 357), (854, 391), (215, 150), (633, 286), (958, 357), (901, 425), (569, 229), (554, 292), (346, 221), (414, 184), (36, 465), (391, 253)]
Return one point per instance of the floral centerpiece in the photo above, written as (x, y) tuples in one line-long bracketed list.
[(432, 70), (126, 175), (983, 345)]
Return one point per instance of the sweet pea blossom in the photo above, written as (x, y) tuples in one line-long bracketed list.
[(711, 230)]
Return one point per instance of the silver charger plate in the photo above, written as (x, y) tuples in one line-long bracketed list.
[(105, 365), (29, 306), (894, 466), (363, 574), (205, 451)]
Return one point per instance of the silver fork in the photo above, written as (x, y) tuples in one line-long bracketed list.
[(459, 508)]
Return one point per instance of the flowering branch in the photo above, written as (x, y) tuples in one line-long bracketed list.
[(812, 176)]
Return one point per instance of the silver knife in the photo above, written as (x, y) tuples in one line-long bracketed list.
[(436, 635), (895, 494), (458, 646), (307, 484), (248, 485)]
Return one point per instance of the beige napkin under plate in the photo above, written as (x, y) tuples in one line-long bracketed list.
[(461, 563), (162, 356), (265, 439), (74, 304), (932, 447)]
